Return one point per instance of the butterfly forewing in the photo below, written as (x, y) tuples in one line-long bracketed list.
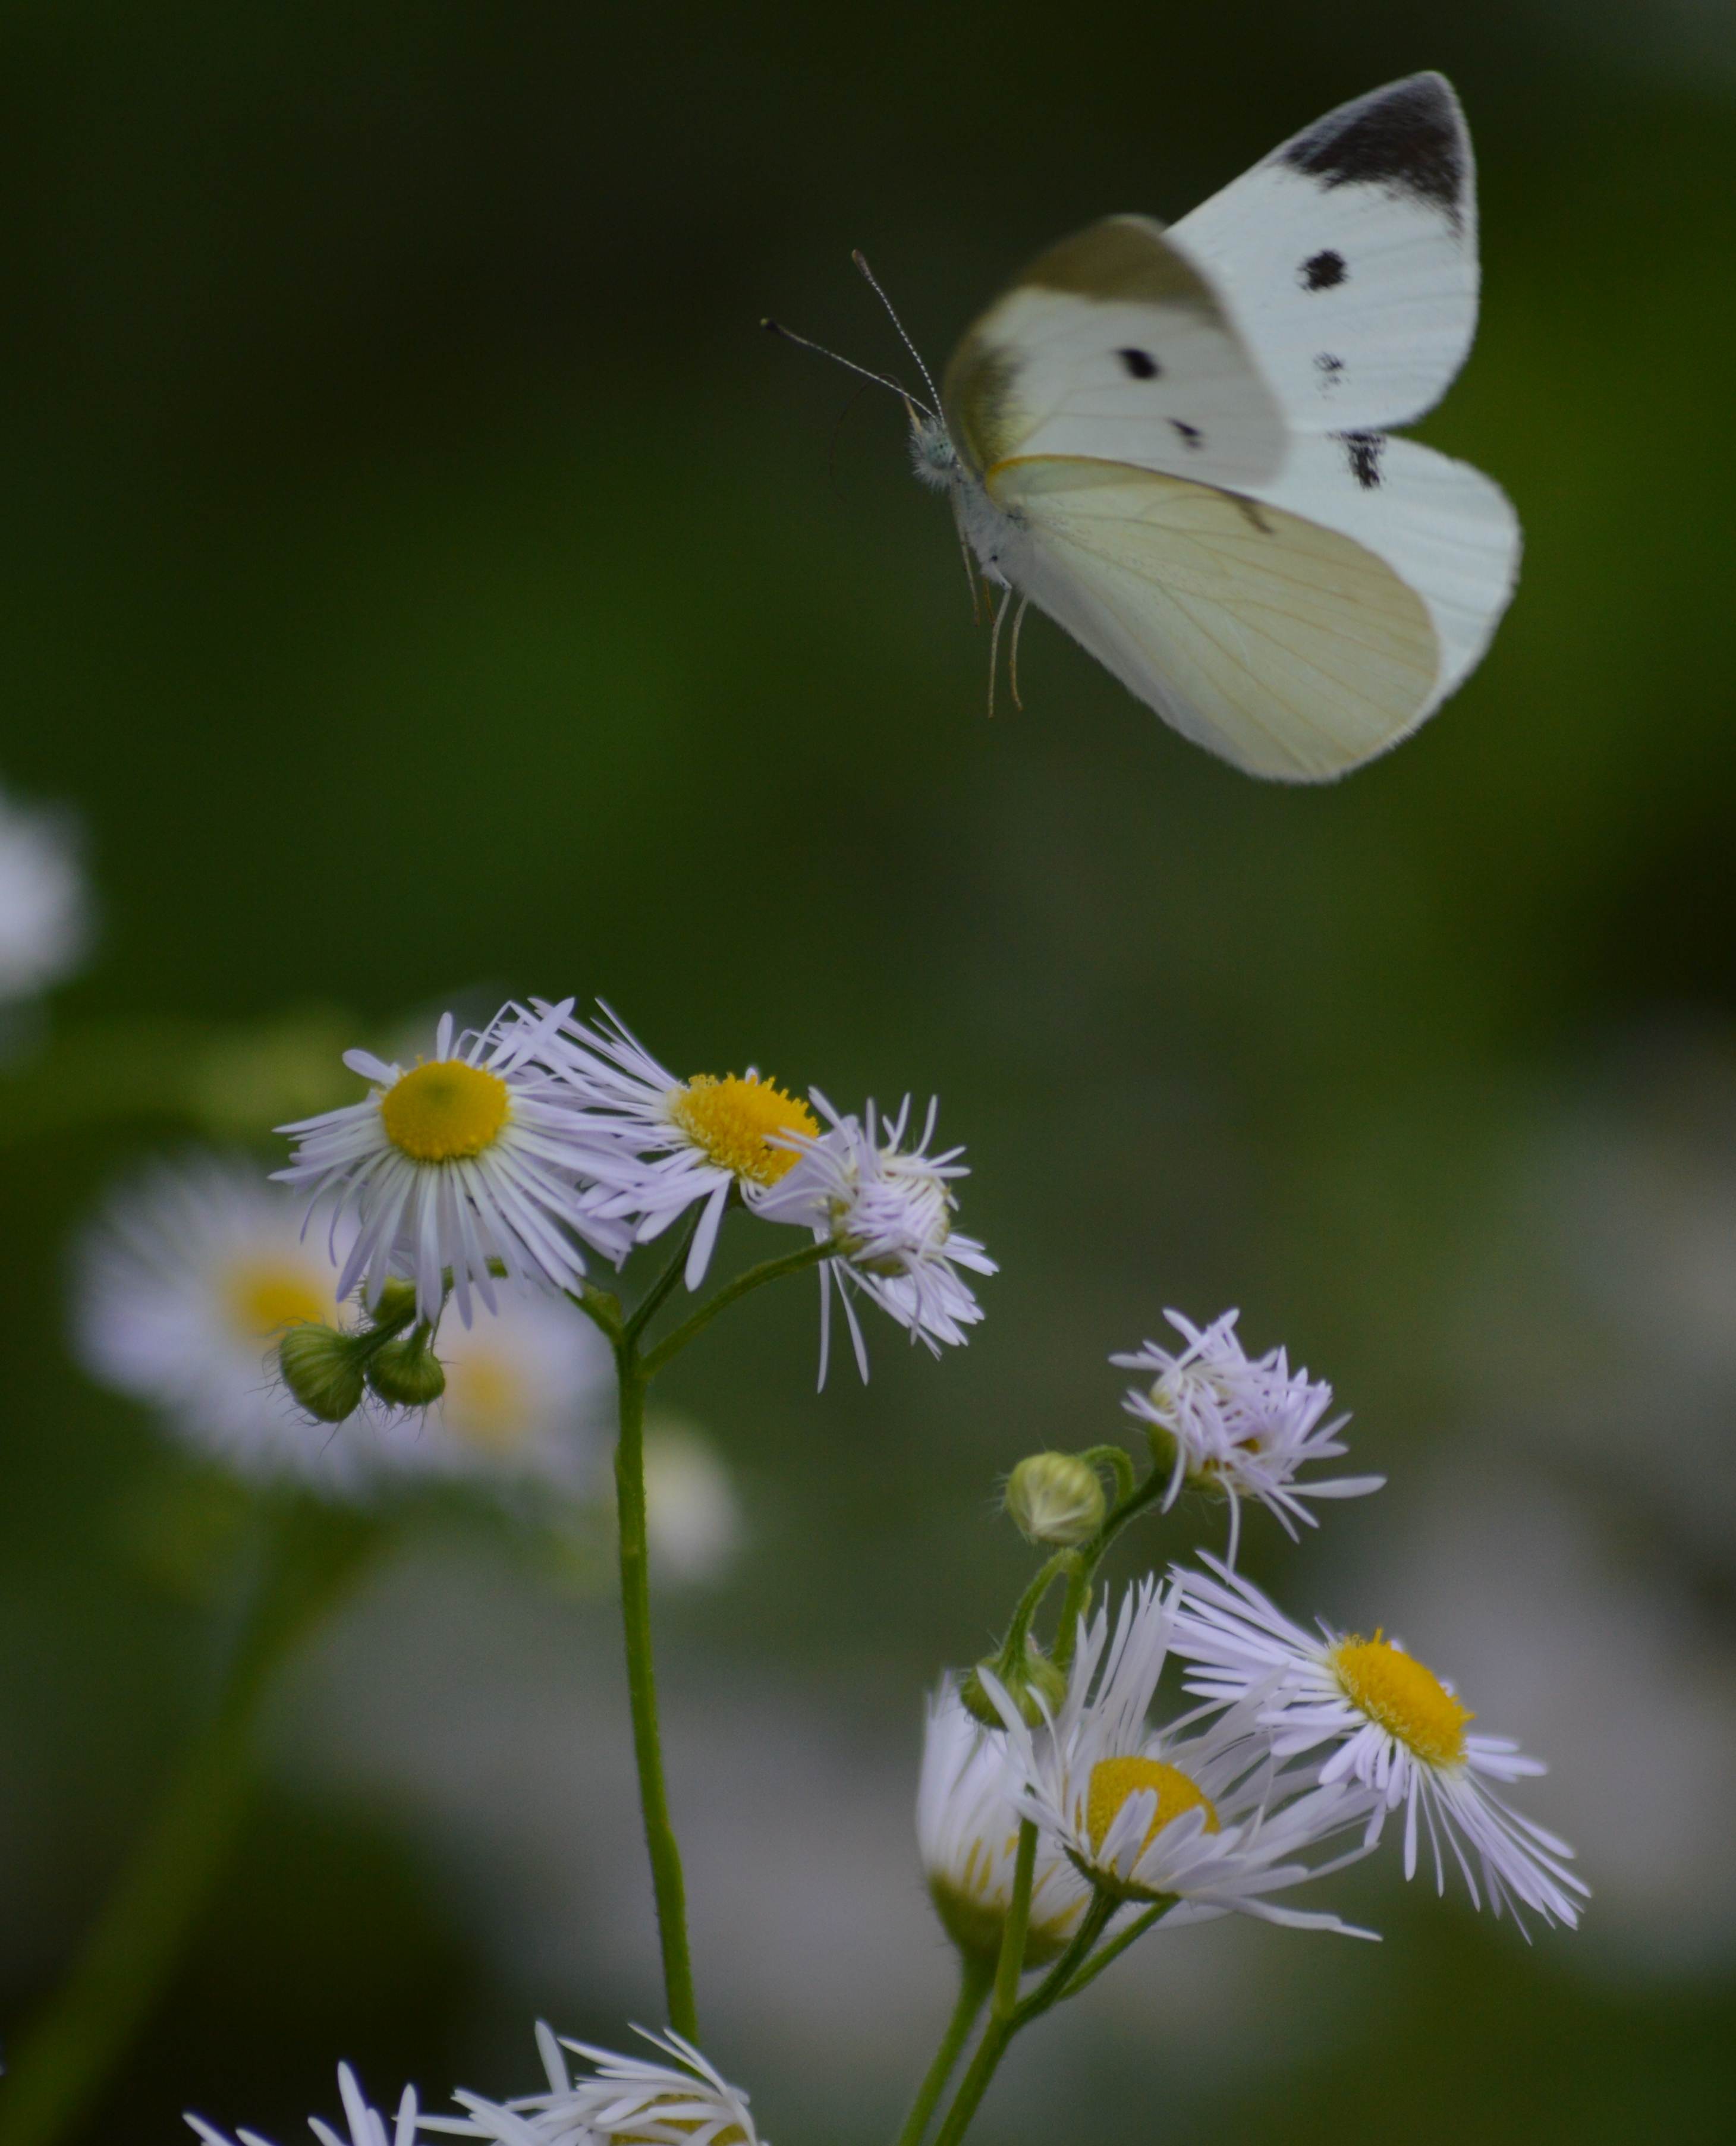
[(1113, 344), (1277, 643), (1347, 259)]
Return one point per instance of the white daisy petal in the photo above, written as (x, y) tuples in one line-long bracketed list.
[(365, 2125), (634, 2100), (967, 1835), (888, 1211), (1394, 1728), (473, 1156), (661, 1145), (1212, 1818), (1242, 1425)]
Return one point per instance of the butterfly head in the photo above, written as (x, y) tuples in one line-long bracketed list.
[(936, 458)]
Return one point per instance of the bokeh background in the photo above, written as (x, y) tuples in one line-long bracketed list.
[(424, 581)]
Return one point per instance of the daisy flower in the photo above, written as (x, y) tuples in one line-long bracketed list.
[(44, 907), (1397, 1730), (660, 1144), (367, 2126), (471, 1157), (1237, 1423), (1207, 1817), (967, 1835), (631, 2099), (186, 1281), (888, 1211)]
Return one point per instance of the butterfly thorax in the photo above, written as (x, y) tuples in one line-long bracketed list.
[(991, 534)]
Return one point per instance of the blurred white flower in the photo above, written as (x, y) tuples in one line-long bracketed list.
[(888, 1211), (1210, 1817), (187, 1279), (1396, 1728), (659, 1144), (45, 923), (693, 1522), (472, 1155), (1239, 1424), (529, 1392), (967, 1835), (633, 2099), (367, 2126)]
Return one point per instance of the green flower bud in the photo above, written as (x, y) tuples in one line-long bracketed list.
[(322, 1368), (1055, 1498), (405, 1373), (397, 1301), (1039, 1677)]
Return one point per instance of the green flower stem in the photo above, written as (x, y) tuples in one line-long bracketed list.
[(976, 1978), (695, 1323), (668, 1883), (65, 2056), (1118, 1460), (1011, 1963), (1012, 1648), (658, 1293), (1002, 2027), (1117, 1946)]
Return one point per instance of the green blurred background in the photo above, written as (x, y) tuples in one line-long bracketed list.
[(425, 582)]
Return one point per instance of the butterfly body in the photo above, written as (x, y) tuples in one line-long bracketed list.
[(1175, 443)]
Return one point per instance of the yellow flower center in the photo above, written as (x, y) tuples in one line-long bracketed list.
[(486, 1402), (732, 1120), (1114, 1780), (264, 1298), (1408, 1701), (444, 1112)]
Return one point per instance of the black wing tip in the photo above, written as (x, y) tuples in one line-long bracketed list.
[(1409, 136)]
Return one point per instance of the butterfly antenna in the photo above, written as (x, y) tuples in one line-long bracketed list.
[(861, 261), (850, 364)]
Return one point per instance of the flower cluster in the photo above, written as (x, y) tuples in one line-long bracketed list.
[(518, 1147)]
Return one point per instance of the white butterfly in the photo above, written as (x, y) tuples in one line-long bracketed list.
[(1175, 443)]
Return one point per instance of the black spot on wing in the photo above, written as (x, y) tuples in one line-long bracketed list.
[(1362, 452), (1190, 435), (1322, 272), (1140, 364), (1330, 368), (1408, 139)]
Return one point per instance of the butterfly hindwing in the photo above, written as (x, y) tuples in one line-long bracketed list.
[(1348, 258), (1448, 531), (1285, 646), (1113, 344)]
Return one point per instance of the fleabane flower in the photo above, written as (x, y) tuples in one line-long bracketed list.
[(1395, 1728), (44, 906), (1241, 1425), (470, 1156), (888, 1211), (635, 2100), (1206, 1817), (967, 1835), (661, 1145), (367, 2126), (186, 1279)]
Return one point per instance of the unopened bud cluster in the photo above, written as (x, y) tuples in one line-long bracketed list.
[(329, 1370)]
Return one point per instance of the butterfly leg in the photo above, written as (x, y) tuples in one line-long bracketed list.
[(1012, 661), (994, 646)]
